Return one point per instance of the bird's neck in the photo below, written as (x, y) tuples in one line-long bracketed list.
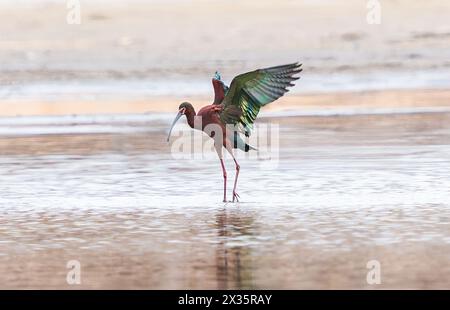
[(190, 116)]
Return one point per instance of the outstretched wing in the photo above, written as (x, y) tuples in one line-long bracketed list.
[(250, 91), (220, 89)]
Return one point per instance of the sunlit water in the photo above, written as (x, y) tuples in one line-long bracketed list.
[(345, 190)]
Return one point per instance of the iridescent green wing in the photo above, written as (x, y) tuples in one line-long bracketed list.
[(252, 90)]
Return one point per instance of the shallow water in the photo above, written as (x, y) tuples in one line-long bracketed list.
[(345, 190)]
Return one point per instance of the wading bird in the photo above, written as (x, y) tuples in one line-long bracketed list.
[(238, 106)]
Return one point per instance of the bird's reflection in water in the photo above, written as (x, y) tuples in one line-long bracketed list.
[(233, 254)]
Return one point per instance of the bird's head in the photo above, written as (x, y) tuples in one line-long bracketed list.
[(184, 108)]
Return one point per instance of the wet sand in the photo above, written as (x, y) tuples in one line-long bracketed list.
[(346, 190)]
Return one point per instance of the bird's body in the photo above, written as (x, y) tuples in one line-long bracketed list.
[(208, 115), (235, 109)]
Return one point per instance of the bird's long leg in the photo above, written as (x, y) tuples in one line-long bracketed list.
[(218, 148), (235, 195), (224, 181)]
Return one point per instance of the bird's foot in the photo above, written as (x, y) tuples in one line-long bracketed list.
[(236, 196)]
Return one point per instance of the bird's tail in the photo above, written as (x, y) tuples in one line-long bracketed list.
[(241, 145), (248, 147)]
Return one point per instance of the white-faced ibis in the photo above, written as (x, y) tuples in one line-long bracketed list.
[(238, 106)]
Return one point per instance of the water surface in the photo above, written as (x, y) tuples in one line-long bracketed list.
[(346, 190)]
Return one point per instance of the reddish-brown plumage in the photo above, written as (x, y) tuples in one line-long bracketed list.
[(208, 115), (219, 92), (207, 120)]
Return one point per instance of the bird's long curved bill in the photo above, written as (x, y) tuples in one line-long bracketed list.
[(173, 124)]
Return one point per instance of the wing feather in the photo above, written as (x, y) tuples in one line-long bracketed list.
[(220, 89), (250, 91)]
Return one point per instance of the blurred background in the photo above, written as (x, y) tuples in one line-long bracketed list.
[(362, 171), (140, 56)]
